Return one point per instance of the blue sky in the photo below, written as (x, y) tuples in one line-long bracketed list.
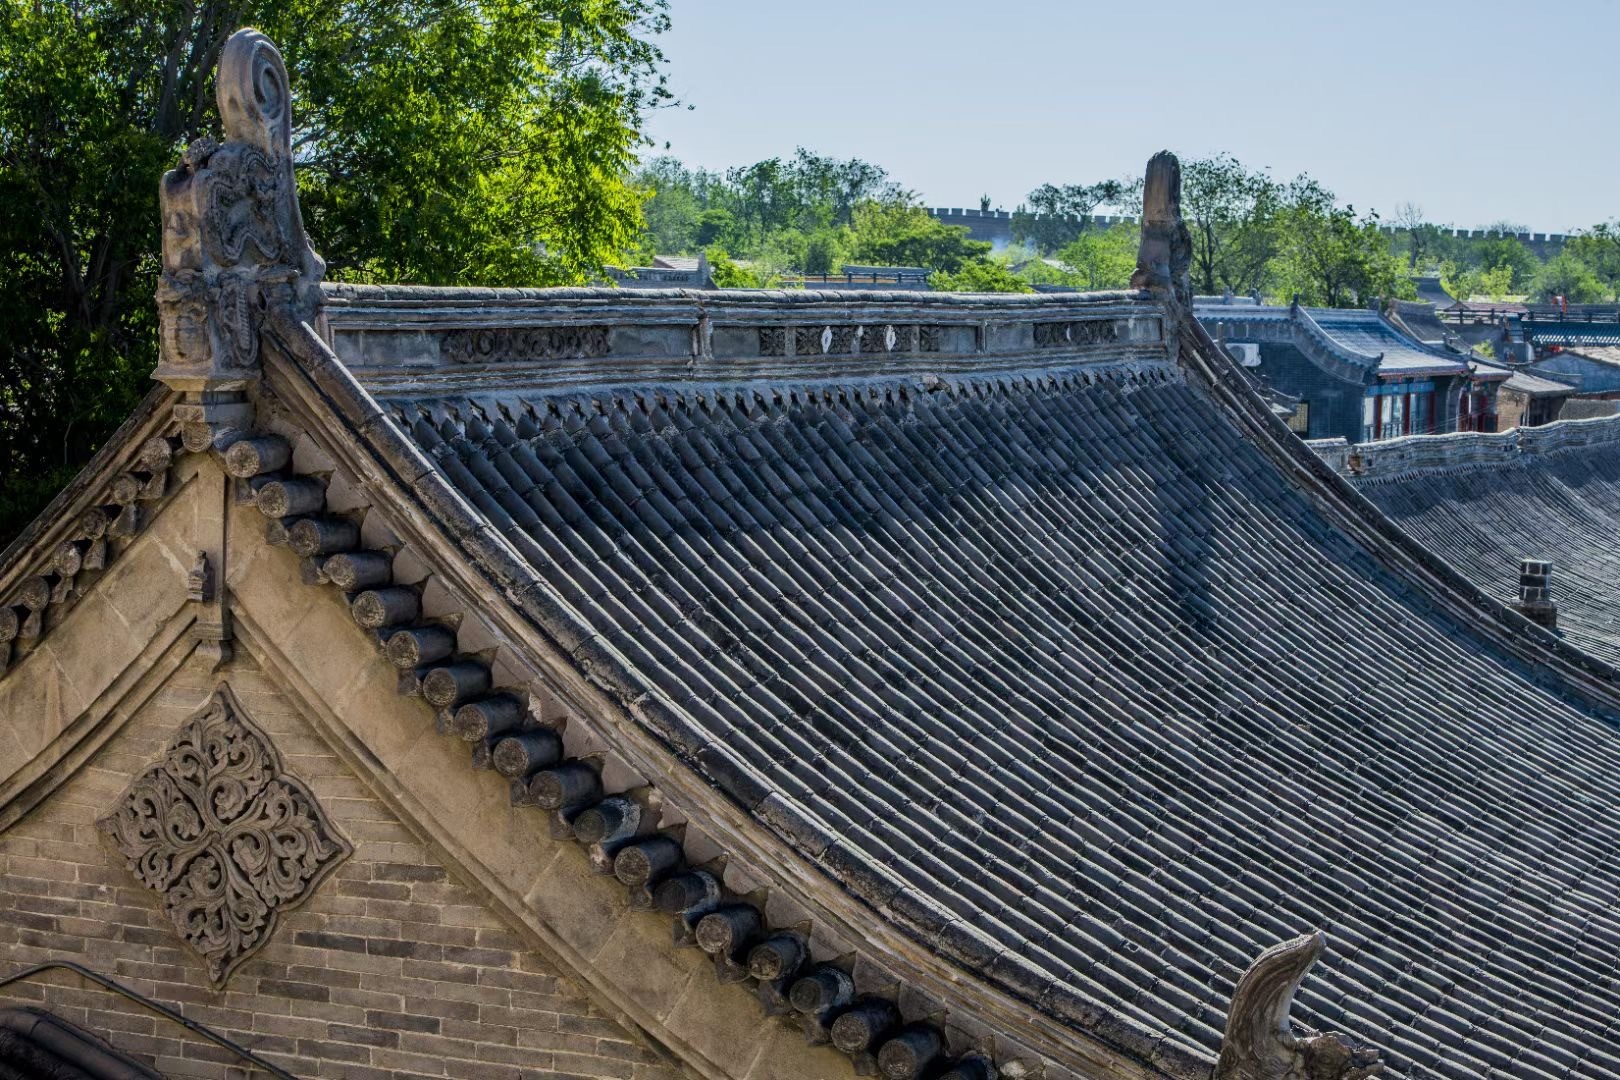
[(1477, 112)]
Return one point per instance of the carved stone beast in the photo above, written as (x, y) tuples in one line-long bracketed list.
[(1260, 1042)]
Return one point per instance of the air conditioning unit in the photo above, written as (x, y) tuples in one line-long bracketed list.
[(1245, 353)]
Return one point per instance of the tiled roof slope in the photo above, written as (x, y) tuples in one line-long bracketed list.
[(1483, 502), (1060, 671)]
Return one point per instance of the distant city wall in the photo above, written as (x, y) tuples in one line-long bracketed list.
[(995, 226)]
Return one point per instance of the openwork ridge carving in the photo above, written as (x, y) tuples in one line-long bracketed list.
[(516, 344), (227, 838), (1058, 335)]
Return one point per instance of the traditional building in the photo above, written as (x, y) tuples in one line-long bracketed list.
[(639, 684), (1590, 369), (1359, 375), (1527, 400)]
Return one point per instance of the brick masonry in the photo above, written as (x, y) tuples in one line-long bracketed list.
[(391, 971)]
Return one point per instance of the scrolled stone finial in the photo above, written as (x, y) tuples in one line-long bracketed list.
[(1260, 1042), (233, 238), (1164, 260)]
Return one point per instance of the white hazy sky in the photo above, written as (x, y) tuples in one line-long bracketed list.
[(1477, 112)]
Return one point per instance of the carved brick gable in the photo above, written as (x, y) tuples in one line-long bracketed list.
[(224, 835)]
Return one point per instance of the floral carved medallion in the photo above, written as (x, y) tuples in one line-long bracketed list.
[(224, 835)]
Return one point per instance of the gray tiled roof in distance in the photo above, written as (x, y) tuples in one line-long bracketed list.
[(1356, 337), (1043, 655), (1483, 502)]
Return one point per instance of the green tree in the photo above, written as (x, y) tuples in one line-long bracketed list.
[(1569, 276), (1599, 248), (1332, 257), (896, 235), (1505, 249), (728, 274), (1102, 259), (437, 140), (1232, 216), (979, 276), (1495, 283), (1053, 216)]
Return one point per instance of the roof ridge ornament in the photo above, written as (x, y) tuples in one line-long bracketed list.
[(233, 238), (1260, 1043), (1164, 259)]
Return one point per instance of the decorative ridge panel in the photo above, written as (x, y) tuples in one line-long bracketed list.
[(583, 345)]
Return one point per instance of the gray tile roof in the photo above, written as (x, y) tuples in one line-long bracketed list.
[(1535, 386), (1534, 498), (1061, 671), (1368, 332)]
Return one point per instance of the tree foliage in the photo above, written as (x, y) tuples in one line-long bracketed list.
[(1329, 256), (1054, 216), (1599, 249), (1102, 258), (440, 141), (1233, 217), (1568, 276), (979, 276), (806, 214)]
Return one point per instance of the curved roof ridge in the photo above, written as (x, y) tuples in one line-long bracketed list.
[(1391, 460), (1320, 335)]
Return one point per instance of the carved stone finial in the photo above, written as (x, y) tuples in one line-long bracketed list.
[(233, 237), (1260, 1043), (1164, 261)]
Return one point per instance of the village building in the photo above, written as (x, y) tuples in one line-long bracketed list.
[(1359, 375), (1592, 370), (1527, 400), (640, 684)]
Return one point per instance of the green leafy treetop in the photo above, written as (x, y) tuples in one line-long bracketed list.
[(437, 141)]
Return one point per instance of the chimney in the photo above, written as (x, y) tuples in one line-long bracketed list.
[(1535, 597)]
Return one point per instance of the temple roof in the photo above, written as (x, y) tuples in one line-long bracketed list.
[(1050, 654)]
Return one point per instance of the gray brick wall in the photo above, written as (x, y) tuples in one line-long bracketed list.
[(391, 971), (1335, 403)]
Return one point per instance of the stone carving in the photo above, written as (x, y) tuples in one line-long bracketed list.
[(888, 339), (1260, 1043), (233, 238), (824, 340), (1164, 260), (772, 341), (834, 340), (506, 345), (200, 580), (227, 838), (1058, 335)]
